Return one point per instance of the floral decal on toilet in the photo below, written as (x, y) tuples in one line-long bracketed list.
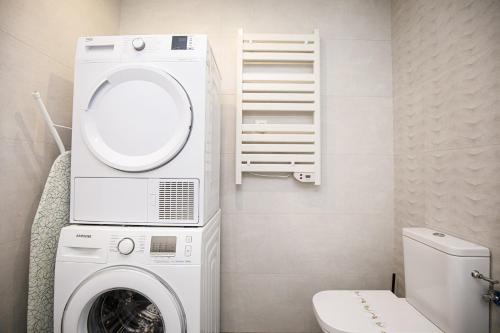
[(367, 307)]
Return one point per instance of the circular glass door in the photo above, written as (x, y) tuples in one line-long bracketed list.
[(123, 299), (123, 311), (138, 118)]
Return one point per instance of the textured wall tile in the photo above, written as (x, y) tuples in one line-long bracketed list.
[(477, 199), (446, 60), (440, 187)]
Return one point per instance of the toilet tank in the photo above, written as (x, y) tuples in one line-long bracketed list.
[(438, 280)]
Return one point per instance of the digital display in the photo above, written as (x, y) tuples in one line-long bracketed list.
[(179, 42), (164, 245)]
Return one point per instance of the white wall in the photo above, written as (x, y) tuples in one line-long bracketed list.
[(37, 41), (284, 241)]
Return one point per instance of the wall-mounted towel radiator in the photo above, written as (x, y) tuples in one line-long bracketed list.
[(278, 105)]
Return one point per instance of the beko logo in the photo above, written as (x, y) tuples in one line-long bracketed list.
[(83, 236)]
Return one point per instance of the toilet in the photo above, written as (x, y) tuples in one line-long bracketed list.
[(441, 294)]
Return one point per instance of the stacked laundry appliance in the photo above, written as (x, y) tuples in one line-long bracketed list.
[(142, 253)]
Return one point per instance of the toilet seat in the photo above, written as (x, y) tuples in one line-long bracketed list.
[(368, 311)]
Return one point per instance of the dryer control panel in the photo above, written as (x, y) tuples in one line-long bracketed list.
[(142, 48), (182, 43)]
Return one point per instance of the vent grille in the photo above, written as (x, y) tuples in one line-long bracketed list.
[(176, 200)]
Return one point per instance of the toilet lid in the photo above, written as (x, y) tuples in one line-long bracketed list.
[(368, 311)]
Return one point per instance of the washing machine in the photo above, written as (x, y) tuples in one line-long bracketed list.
[(146, 131), (111, 279)]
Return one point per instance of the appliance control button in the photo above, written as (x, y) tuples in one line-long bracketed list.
[(126, 246), (189, 239), (138, 44), (188, 251)]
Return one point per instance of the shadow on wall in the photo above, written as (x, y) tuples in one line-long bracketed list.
[(59, 102), (34, 153), (26, 159)]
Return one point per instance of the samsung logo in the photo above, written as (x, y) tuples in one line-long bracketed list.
[(83, 236)]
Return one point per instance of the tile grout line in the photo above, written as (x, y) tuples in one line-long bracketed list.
[(36, 50)]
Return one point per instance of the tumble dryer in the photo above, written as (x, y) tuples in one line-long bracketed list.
[(137, 279), (146, 131)]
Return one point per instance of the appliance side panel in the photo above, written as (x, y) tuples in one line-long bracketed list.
[(212, 139), (210, 277)]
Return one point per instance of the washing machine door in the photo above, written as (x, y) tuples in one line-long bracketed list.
[(137, 118), (123, 299)]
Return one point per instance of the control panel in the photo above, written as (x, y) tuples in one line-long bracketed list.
[(139, 44), (163, 246), (141, 48), (126, 245), (130, 245), (182, 43), (158, 249)]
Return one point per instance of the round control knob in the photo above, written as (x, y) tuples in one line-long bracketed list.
[(126, 246), (138, 44)]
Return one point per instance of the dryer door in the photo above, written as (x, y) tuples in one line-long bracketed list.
[(123, 299), (138, 118)]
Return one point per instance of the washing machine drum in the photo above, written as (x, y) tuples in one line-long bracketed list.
[(137, 118), (123, 300), (124, 310)]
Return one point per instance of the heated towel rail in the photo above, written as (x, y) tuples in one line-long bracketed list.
[(278, 105)]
